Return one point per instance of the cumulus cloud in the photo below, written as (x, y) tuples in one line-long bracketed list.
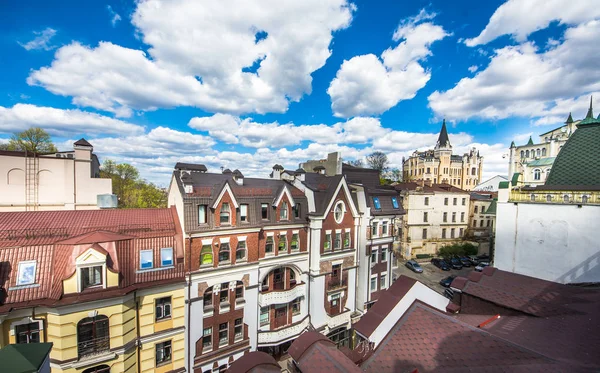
[(221, 56), (473, 68), (41, 41), (62, 122), (523, 81), (367, 84), (520, 18), (114, 16)]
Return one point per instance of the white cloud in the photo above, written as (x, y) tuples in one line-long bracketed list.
[(522, 81), (367, 85), (199, 55), (520, 18), (41, 41), (473, 68), (62, 122), (521, 137), (114, 16)]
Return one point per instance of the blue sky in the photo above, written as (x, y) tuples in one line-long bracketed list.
[(246, 84)]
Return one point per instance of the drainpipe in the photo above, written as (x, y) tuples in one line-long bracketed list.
[(42, 320), (189, 285), (138, 342)]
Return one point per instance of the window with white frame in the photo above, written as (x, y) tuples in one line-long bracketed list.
[(346, 239), (224, 215), (373, 284), (163, 308), (374, 229), (202, 214), (454, 217), (464, 201), (224, 252), (27, 333), (269, 245), (373, 256), (264, 316), (537, 174), (532, 197), (445, 217), (163, 352), (295, 243), (240, 251), (584, 199), (425, 217), (327, 242), (424, 234), (382, 281), (454, 201), (207, 339), (26, 273), (384, 228), (461, 232), (443, 232), (296, 307), (462, 217), (338, 211), (452, 233), (166, 256), (146, 259), (264, 211), (282, 245), (337, 243), (244, 213), (206, 255), (549, 198), (426, 201), (283, 211), (91, 276), (566, 198), (383, 254), (238, 329)]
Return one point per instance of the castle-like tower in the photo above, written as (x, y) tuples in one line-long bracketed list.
[(439, 165)]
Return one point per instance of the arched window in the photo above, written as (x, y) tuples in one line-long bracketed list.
[(532, 197), (537, 174), (224, 252), (537, 152), (98, 369), (93, 335), (208, 297), (527, 153), (543, 152), (224, 214), (473, 171), (522, 154), (584, 199), (566, 198), (206, 255), (548, 197)]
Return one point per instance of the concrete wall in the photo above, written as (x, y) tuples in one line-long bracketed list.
[(549, 241)]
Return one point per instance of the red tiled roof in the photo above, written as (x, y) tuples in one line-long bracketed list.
[(313, 352), (430, 341), (255, 362), (384, 305), (95, 237)]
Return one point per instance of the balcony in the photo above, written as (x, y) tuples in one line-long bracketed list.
[(282, 296), (337, 320), (337, 283), (284, 333), (94, 346)]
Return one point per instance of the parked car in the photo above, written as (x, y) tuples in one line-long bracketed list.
[(465, 261), (449, 293), (455, 263), (474, 259), (481, 266), (440, 263), (445, 282), (414, 266)]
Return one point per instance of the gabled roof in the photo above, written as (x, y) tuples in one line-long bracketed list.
[(255, 362), (324, 188), (313, 352), (82, 142), (24, 358), (190, 167), (95, 237), (491, 210)]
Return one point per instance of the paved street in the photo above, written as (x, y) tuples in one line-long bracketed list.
[(431, 275)]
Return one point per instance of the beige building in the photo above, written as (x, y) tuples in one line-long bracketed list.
[(441, 166), (59, 181), (436, 215)]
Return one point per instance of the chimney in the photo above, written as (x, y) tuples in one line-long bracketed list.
[(238, 177), (277, 170)]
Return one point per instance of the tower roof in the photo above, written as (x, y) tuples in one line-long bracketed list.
[(530, 142), (569, 119), (443, 140), (590, 113), (512, 144)]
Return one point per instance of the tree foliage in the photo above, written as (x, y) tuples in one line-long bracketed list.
[(457, 249), (33, 139), (356, 163), (378, 161), (132, 191)]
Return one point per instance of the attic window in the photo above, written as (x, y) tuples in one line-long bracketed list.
[(338, 212), (395, 202), (146, 259), (283, 212), (166, 256), (26, 273), (91, 276), (376, 203), (224, 215)]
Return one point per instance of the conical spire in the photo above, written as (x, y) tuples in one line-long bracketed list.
[(569, 119), (512, 144), (443, 140), (530, 142), (590, 113)]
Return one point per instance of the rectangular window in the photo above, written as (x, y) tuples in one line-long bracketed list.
[(240, 252), (282, 245), (373, 284), (347, 239), (488, 222), (146, 259), (461, 232), (223, 334), (474, 223), (424, 233), (206, 255), (338, 241), (208, 299), (426, 201), (264, 211), (26, 273), (455, 201), (238, 330), (297, 211), (269, 245), (443, 232), (382, 280), (464, 201), (264, 316), (163, 352), (283, 211), (201, 214), (335, 300), (446, 201), (376, 203), (91, 276), (425, 217), (239, 292), (395, 202), (454, 217), (445, 217), (462, 217), (384, 228), (335, 270), (476, 209), (244, 213), (327, 243), (224, 293), (296, 306), (374, 229), (224, 252), (452, 233), (373, 256), (166, 256), (27, 333), (207, 338), (295, 245), (163, 308), (383, 255)]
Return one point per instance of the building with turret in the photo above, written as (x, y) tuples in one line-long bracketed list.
[(440, 166)]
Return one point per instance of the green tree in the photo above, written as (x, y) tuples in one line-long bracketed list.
[(132, 191), (378, 161), (356, 163), (34, 140)]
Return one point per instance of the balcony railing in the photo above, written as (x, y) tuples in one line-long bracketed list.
[(283, 296), (93, 346), (336, 283)]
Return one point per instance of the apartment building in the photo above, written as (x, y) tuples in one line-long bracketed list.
[(59, 181), (381, 211), (105, 287), (269, 258), (436, 215)]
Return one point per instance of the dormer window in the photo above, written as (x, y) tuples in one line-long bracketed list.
[(26, 273), (146, 259), (224, 214), (376, 203), (283, 212), (395, 202), (166, 257), (91, 277)]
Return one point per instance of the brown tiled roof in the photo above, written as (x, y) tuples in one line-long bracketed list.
[(324, 188), (384, 305), (255, 362), (430, 341), (94, 237), (555, 320), (313, 352)]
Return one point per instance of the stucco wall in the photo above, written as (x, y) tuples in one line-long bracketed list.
[(549, 241)]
